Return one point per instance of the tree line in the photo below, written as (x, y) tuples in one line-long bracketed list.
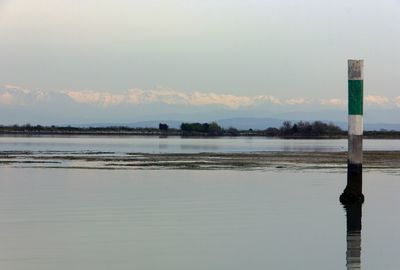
[(300, 129), (305, 129), (209, 129), (288, 129)]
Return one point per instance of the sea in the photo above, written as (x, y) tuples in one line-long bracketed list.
[(173, 219)]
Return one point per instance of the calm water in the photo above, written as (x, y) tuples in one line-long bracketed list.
[(197, 219), (97, 219), (179, 145)]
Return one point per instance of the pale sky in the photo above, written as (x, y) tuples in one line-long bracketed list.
[(205, 52)]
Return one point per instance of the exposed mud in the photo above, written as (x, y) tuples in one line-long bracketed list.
[(374, 160)]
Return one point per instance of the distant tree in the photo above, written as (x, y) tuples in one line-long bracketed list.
[(205, 127), (307, 129), (163, 127), (334, 129), (271, 132), (231, 131), (212, 129), (295, 128), (184, 126), (286, 128), (318, 128)]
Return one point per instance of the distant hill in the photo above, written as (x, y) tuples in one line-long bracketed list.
[(379, 126)]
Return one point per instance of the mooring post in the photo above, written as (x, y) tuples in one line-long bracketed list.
[(353, 190)]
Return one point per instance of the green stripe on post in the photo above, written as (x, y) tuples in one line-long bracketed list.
[(355, 97)]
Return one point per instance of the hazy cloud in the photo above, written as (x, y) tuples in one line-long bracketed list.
[(337, 102), (12, 94), (381, 101), (270, 99), (376, 100), (166, 96), (98, 98), (297, 101), (17, 88), (198, 98), (397, 101), (6, 98), (171, 97)]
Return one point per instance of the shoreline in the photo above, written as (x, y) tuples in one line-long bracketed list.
[(179, 135)]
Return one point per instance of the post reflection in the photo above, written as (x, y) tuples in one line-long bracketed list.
[(353, 235)]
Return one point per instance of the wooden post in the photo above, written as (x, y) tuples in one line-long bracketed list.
[(353, 190)]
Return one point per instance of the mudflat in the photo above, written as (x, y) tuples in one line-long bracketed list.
[(252, 160)]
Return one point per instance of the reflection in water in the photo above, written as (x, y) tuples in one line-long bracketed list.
[(149, 144), (353, 236)]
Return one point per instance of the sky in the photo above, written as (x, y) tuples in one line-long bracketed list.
[(102, 59)]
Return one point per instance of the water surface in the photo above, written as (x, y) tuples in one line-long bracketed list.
[(197, 219), (182, 145)]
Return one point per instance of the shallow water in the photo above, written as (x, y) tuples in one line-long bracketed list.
[(181, 145), (197, 219)]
